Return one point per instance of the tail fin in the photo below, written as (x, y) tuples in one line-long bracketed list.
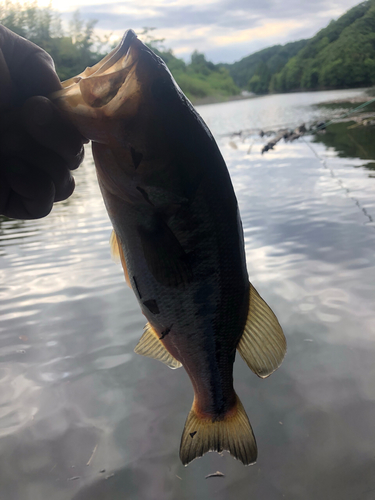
[(232, 433)]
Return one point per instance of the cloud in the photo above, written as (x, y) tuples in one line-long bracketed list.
[(225, 30)]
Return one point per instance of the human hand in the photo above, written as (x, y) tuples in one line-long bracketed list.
[(38, 147)]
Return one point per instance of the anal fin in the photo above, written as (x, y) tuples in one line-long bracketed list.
[(150, 345), (262, 345), (118, 254)]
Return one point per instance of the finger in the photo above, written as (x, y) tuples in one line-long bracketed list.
[(17, 144), (43, 121), (31, 192), (41, 76), (5, 83), (31, 68)]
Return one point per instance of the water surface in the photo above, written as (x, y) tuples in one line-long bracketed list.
[(84, 418)]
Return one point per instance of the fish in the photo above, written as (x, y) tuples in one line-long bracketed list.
[(178, 234)]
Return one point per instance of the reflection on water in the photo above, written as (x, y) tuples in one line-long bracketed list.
[(272, 111), (83, 418), (351, 141)]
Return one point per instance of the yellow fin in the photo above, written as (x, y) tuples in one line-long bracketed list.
[(262, 345), (118, 254), (149, 345), (233, 433), (115, 251)]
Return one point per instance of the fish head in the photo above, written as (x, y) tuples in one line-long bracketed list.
[(140, 123), (122, 96)]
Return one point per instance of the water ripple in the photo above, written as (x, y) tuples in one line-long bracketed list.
[(70, 382)]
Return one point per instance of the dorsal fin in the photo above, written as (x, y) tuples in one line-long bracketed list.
[(262, 345), (118, 254), (150, 345)]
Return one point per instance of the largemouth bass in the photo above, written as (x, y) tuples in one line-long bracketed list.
[(178, 233)]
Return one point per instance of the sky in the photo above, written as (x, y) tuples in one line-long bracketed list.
[(224, 30)]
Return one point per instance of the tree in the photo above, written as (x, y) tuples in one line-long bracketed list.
[(260, 81), (80, 47), (72, 52)]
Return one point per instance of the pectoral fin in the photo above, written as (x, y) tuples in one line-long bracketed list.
[(262, 345), (150, 346), (118, 254)]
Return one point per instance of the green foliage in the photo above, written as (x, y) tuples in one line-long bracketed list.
[(341, 55), (349, 142), (80, 47), (338, 56), (72, 52), (200, 78), (274, 57), (29, 21), (260, 81)]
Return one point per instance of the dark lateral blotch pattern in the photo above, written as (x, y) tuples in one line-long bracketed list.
[(136, 157), (151, 306), (145, 195), (165, 332)]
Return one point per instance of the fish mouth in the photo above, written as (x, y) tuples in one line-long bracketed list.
[(120, 96), (99, 85), (118, 53)]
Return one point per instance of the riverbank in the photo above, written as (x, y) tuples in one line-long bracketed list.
[(363, 116), (347, 102), (216, 99)]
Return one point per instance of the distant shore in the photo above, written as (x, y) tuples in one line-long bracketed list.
[(349, 100), (215, 99)]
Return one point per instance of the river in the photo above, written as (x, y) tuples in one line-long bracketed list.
[(84, 418)]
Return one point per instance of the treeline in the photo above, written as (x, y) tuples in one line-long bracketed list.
[(200, 78), (72, 50), (260, 66), (342, 55), (78, 46)]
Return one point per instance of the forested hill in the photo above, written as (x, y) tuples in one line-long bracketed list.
[(77, 46), (268, 61), (338, 56)]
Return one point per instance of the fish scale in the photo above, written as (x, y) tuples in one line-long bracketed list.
[(178, 234)]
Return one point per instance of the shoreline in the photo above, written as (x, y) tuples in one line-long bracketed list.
[(349, 100), (215, 99)]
